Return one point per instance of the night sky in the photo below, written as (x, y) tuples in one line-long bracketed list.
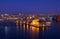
[(30, 6)]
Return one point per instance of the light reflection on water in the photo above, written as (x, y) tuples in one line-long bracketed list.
[(30, 31), (25, 31)]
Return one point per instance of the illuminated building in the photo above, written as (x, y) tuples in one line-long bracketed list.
[(35, 22)]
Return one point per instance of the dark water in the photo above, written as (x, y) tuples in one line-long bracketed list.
[(11, 31)]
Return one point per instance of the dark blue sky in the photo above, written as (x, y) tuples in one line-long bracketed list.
[(30, 6)]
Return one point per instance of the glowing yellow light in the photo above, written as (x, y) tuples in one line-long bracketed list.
[(34, 30), (35, 22)]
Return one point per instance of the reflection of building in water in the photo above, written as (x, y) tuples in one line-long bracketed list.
[(35, 26), (17, 27), (34, 23), (34, 31), (17, 22), (31, 29), (6, 31), (21, 23)]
